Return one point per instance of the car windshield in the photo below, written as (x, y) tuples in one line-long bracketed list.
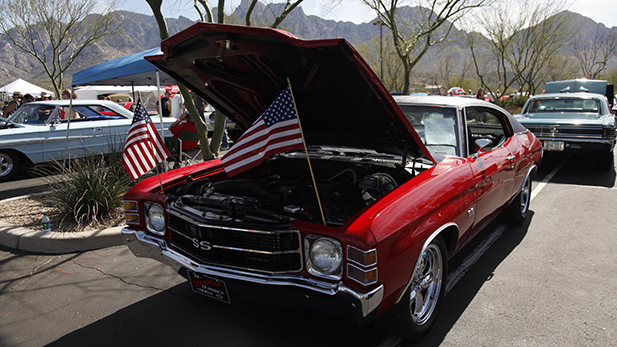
[(572, 107), (436, 126), (39, 113), (32, 114)]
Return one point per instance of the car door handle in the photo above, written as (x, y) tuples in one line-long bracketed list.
[(511, 157)]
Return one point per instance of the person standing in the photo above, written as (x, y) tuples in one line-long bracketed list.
[(66, 95), (13, 104), (164, 110), (480, 94), (184, 122)]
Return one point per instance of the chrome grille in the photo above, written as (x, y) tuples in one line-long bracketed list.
[(269, 251), (566, 131)]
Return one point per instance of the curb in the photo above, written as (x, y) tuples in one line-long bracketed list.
[(29, 240), (56, 242)]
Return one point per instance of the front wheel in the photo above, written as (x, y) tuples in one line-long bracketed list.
[(9, 165), (413, 316)]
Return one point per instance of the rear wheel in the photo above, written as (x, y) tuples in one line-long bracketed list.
[(416, 313), (517, 211), (9, 165)]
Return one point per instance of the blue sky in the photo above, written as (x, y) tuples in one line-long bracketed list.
[(604, 11)]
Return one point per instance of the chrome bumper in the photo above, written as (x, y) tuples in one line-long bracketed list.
[(332, 298)]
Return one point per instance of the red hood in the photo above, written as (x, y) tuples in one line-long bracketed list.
[(340, 100)]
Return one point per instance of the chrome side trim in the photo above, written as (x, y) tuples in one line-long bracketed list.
[(583, 140), (144, 245), (426, 243)]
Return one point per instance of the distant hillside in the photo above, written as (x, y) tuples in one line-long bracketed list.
[(140, 32)]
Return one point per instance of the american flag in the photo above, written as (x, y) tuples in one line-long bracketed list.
[(275, 131), (144, 148)]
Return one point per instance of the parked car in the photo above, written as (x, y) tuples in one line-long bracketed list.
[(402, 188), (35, 133), (568, 119)]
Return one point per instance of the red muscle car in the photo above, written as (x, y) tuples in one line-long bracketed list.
[(403, 183)]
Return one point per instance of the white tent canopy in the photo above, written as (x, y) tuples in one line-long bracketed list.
[(92, 92), (24, 87)]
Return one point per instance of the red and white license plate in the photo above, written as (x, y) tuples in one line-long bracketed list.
[(554, 145), (208, 286)]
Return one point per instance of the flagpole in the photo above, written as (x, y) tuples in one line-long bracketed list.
[(151, 143), (323, 218)]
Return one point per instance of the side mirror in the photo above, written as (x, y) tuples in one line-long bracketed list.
[(482, 143)]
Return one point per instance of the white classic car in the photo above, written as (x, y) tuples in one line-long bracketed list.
[(37, 132)]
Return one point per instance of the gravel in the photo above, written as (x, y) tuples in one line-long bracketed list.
[(27, 212)]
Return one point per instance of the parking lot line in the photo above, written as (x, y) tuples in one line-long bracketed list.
[(547, 179)]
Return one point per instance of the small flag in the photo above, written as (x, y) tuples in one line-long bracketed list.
[(275, 131), (144, 148)]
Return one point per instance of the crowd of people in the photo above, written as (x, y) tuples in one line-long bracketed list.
[(18, 99)]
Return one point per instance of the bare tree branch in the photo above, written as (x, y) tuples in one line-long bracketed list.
[(55, 32), (412, 38), (593, 55)]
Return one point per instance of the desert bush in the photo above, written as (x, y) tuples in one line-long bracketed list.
[(88, 190)]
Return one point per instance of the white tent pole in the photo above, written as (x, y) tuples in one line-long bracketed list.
[(68, 124)]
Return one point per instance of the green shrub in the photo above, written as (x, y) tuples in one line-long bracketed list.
[(87, 191)]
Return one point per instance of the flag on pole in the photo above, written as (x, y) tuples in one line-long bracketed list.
[(275, 131), (144, 148)]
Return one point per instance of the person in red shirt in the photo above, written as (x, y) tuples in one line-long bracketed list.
[(184, 122)]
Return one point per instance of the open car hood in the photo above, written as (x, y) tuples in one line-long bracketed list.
[(241, 70)]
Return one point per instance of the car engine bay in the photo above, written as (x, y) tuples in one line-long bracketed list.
[(283, 192)]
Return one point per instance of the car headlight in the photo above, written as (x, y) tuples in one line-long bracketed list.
[(155, 218), (324, 257)]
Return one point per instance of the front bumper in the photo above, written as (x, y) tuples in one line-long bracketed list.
[(286, 290)]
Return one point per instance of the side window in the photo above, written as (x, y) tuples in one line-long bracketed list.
[(485, 124)]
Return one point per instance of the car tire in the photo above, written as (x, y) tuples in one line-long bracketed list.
[(9, 165), (407, 319), (516, 213), (605, 161)]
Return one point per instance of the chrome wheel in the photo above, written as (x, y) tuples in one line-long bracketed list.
[(7, 165), (525, 195), (426, 286)]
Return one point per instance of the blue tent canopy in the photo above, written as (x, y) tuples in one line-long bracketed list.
[(130, 70)]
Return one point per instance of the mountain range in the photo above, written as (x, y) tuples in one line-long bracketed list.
[(140, 32)]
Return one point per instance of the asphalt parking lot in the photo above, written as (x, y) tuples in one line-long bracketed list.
[(548, 282)]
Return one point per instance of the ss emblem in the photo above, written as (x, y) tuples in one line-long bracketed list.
[(205, 245)]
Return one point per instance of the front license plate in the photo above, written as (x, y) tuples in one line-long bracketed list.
[(554, 145), (208, 286)]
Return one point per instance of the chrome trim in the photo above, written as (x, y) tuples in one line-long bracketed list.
[(136, 204), (361, 251), (195, 222), (200, 224), (365, 271), (426, 243), (147, 206), (234, 248), (309, 240), (583, 140), (147, 246)]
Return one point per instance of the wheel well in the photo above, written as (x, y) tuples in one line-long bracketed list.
[(450, 237), (24, 161)]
